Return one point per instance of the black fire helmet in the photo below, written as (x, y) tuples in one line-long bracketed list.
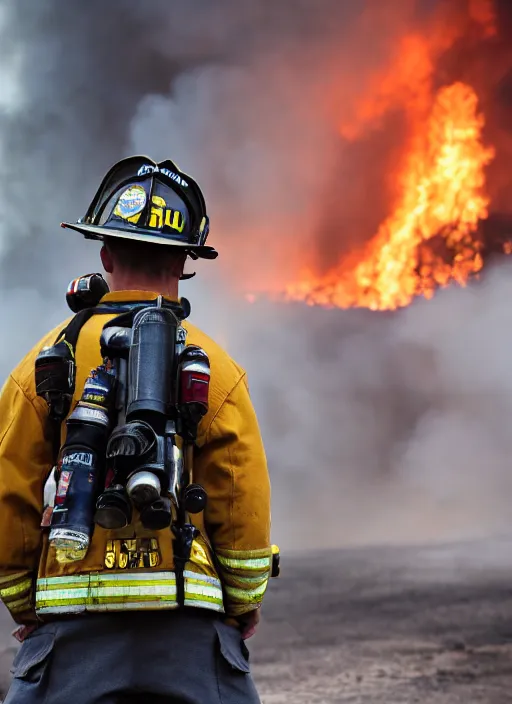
[(142, 200)]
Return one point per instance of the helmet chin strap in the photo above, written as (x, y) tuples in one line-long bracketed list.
[(185, 277)]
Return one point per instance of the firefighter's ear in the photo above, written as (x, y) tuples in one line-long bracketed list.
[(107, 260)]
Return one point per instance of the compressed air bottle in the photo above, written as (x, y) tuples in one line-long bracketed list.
[(80, 468)]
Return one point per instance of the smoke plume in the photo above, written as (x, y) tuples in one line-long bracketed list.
[(377, 426)]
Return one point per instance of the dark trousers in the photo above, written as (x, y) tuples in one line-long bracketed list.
[(168, 657)]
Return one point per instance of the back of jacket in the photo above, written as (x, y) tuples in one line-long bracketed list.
[(133, 568)]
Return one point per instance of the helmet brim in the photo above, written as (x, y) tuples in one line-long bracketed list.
[(98, 233)]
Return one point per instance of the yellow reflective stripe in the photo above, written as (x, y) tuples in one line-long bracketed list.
[(245, 554), (108, 581), (42, 603), (202, 588), (13, 577), (160, 590), (19, 605), (18, 596), (255, 563), (102, 578), (247, 595), (106, 599), (203, 591), (124, 588), (245, 582), (203, 598), (16, 589), (100, 588), (111, 591)]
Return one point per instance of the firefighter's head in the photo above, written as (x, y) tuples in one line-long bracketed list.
[(150, 217)]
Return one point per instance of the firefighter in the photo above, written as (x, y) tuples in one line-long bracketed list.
[(108, 627)]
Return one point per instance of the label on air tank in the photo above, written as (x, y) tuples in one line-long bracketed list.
[(63, 486), (85, 458)]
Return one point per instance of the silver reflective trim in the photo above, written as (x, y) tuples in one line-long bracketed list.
[(134, 606), (62, 538), (108, 577), (202, 577), (213, 606), (160, 590), (96, 386), (175, 472), (125, 592), (62, 594), (196, 366), (131, 606), (71, 579), (87, 414), (70, 609)]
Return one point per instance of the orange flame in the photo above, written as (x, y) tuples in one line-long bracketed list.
[(442, 196), (431, 237)]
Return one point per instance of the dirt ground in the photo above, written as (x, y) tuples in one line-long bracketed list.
[(390, 626), (387, 625)]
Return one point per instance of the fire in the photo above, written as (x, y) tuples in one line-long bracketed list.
[(484, 13), (431, 236), (442, 184)]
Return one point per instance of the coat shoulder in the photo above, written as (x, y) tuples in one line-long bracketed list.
[(24, 373), (225, 372)]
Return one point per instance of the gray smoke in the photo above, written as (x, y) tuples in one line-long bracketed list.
[(391, 428), (377, 427)]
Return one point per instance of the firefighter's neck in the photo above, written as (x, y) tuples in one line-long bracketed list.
[(122, 278), (167, 285)]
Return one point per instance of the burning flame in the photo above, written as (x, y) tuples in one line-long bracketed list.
[(431, 236), (442, 184)]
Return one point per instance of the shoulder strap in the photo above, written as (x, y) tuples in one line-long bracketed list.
[(69, 335), (72, 330)]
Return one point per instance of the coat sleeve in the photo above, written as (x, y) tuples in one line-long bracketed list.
[(25, 459), (232, 467)]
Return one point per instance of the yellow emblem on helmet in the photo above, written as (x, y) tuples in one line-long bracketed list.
[(131, 203), (162, 215)]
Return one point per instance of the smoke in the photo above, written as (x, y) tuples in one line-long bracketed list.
[(377, 427), (388, 429)]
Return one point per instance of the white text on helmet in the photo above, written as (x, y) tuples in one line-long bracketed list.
[(149, 169)]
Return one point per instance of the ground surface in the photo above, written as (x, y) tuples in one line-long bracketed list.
[(386, 625), (390, 626)]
